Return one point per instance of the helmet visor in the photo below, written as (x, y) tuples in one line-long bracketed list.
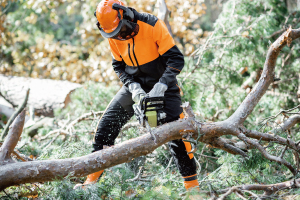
[(125, 30)]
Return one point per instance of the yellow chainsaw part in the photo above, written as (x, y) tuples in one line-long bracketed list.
[(152, 118)]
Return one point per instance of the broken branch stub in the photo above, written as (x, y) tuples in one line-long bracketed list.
[(16, 113), (12, 138)]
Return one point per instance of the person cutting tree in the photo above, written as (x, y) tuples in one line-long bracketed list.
[(146, 60)]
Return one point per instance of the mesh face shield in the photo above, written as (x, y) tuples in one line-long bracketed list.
[(125, 30)]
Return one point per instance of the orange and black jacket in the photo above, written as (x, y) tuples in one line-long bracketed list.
[(150, 57)]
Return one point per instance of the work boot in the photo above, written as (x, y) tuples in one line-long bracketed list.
[(91, 179), (191, 182)]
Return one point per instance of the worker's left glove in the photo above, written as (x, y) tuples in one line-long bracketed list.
[(158, 90)]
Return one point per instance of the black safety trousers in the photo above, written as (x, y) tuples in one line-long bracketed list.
[(120, 110)]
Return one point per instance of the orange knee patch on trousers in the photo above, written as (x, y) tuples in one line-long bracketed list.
[(188, 148)]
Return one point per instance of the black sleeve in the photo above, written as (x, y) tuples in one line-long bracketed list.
[(175, 62), (119, 68)]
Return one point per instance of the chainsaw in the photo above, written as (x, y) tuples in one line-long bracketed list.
[(149, 112)]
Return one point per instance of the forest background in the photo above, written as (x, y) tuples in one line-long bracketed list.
[(225, 45)]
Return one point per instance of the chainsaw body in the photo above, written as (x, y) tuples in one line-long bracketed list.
[(150, 112)]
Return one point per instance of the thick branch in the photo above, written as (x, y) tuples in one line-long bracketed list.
[(269, 189), (12, 138), (273, 187), (230, 146), (48, 170), (267, 77), (289, 123)]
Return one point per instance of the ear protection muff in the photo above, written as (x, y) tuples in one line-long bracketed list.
[(127, 13)]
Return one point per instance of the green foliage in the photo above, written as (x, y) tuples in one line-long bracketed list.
[(211, 82), (237, 47), (241, 37)]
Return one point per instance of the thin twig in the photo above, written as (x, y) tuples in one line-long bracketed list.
[(8, 195), (55, 137), (239, 195), (170, 162), (281, 112), (283, 152), (20, 157), (268, 156), (85, 117), (137, 177), (206, 156)]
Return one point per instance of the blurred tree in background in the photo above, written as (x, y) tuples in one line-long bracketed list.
[(59, 39)]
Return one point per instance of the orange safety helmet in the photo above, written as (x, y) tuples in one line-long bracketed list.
[(107, 16), (115, 20)]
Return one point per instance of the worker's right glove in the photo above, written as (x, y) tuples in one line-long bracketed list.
[(158, 90), (136, 91)]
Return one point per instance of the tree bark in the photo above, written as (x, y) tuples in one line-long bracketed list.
[(163, 13), (12, 138), (48, 170)]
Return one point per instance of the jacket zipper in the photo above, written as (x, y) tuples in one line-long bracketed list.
[(129, 54)]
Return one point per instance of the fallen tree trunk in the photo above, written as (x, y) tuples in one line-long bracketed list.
[(45, 94), (189, 128)]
